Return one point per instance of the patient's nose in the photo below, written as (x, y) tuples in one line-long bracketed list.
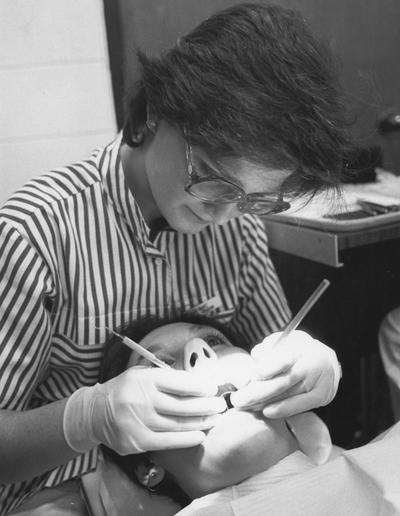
[(197, 353)]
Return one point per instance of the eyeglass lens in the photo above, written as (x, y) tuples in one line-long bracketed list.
[(214, 190), (217, 191)]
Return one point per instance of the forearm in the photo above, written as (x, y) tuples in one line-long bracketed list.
[(32, 442)]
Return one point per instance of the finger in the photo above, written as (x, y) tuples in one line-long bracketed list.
[(312, 435), (266, 346), (290, 406), (184, 383), (263, 391), (164, 423), (295, 339), (188, 406), (174, 440), (296, 389), (277, 362)]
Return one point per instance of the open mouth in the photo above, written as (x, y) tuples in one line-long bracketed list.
[(225, 390)]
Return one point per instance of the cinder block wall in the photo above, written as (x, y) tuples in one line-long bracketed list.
[(56, 100)]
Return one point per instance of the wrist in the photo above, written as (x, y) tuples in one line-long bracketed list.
[(78, 419)]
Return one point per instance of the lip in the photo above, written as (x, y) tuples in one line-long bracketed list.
[(225, 389), (230, 419)]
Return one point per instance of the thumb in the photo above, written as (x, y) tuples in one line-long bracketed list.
[(312, 435)]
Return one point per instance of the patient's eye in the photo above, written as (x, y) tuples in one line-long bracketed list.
[(215, 339)]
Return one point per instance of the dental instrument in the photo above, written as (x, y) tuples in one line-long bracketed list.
[(303, 310), (140, 350)]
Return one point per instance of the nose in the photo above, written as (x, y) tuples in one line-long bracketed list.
[(197, 354)]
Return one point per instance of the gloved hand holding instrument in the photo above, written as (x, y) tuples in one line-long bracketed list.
[(158, 408), (296, 372), (142, 409)]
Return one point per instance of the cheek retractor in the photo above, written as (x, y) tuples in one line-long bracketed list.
[(225, 391)]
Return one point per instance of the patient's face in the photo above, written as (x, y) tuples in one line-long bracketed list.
[(241, 444), (201, 350)]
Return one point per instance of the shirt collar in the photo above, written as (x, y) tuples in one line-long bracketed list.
[(115, 186)]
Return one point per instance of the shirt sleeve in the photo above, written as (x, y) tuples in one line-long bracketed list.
[(25, 326), (263, 308)]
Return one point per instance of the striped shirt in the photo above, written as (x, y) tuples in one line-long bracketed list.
[(76, 256)]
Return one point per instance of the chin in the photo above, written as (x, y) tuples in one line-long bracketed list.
[(237, 426), (246, 443), (240, 445), (186, 220), (186, 226)]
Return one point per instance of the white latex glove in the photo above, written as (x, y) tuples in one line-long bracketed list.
[(142, 409), (312, 436), (299, 374)]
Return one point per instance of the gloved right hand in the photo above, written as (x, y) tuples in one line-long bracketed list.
[(142, 409)]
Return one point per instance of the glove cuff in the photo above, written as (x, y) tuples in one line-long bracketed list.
[(78, 420), (337, 372)]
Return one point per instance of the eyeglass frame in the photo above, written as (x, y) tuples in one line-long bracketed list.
[(246, 199)]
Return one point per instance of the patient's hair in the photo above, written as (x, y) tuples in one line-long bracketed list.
[(251, 82), (114, 362)]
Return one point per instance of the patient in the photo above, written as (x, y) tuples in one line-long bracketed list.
[(242, 445)]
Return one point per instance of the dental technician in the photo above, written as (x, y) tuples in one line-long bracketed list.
[(241, 115)]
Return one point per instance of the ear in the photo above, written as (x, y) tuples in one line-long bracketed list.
[(149, 474)]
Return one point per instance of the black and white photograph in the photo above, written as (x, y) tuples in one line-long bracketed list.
[(200, 258)]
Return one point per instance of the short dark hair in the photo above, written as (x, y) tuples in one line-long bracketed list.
[(251, 82), (115, 359)]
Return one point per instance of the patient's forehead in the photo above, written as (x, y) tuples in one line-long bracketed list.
[(170, 339), (176, 334)]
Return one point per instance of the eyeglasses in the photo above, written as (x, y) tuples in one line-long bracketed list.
[(214, 189)]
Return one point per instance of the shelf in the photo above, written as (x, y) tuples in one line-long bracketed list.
[(324, 246)]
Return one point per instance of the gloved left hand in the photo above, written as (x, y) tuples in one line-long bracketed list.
[(298, 374)]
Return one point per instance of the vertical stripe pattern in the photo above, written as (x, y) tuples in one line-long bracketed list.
[(75, 256)]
